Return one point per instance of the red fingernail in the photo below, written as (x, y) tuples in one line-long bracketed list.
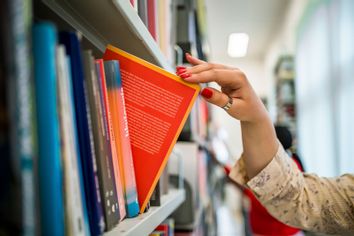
[(207, 93), (184, 76), (180, 67), (180, 71)]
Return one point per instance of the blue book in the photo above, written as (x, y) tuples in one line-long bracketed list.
[(85, 136), (50, 174)]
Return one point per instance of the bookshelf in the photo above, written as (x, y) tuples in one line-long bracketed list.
[(286, 93), (147, 222), (109, 21), (114, 22)]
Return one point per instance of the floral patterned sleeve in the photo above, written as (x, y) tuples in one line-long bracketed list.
[(302, 200)]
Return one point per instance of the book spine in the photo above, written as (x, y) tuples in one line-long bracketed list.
[(75, 142), (106, 127), (155, 199), (143, 11), (73, 204), (19, 148), (110, 135), (151, 13), (113, 113), (84, 125), (50, 178), (108, 191), (109, 130), (126, 156)]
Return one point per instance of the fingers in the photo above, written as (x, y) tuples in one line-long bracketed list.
[(199, 65), (204, 67), (232, 79), (214, 96), (193, 60)]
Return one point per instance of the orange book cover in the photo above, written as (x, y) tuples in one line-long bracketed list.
[(157, 105)]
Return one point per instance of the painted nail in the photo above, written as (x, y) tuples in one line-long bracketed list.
[(180, 67), (207, 93), (184, 76), (180, 71)]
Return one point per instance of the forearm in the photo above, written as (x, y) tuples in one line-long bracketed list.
[(259, 145)]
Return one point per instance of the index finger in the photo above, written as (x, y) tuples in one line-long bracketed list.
[(193, 60), (232, 79)]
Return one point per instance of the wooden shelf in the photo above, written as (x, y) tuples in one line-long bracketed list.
[(145, 223), (110, 22)]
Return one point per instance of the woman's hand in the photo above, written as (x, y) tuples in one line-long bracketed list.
[(238, 98), (246, 106)]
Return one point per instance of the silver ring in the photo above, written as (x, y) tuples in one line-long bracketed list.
[(228, 105)]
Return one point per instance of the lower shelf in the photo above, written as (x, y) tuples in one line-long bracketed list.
[(145, 223)]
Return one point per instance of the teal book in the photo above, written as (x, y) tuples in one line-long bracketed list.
[(49, 163)]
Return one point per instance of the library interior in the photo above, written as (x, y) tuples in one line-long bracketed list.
[(176, 117)]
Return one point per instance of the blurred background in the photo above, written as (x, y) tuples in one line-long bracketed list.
[(299, 60)]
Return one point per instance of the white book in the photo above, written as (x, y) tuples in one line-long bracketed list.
[(74, 219)]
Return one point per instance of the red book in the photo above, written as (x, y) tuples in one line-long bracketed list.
[(152, 18), (157, 105), (134, 4)]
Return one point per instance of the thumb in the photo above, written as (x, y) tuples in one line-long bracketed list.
[(215, 97)]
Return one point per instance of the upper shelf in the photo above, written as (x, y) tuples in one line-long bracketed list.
[(110, 22), (145, 223)]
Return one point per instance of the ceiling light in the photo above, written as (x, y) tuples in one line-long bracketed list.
[(238, 43)]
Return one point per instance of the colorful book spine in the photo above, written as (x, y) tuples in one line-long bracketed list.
[(125, 151), (111, 149), (73, 204), (104, 164), (110, 131), (50, 177), (111, 68), (84, 126)]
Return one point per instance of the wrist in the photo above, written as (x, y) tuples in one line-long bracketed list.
[(259, 144)]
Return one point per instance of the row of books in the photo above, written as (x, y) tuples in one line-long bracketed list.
[(82, 126), (98, 108), (67, 119), (159, 17), (166, 228)]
